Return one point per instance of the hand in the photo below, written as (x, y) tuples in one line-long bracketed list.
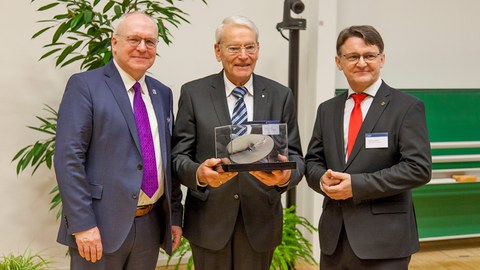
[(207, 175), (337, 185), (328, 180), (176, 236), (276, 178), (89, 243)]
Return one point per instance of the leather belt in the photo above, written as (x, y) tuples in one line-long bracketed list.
[(142, 210)]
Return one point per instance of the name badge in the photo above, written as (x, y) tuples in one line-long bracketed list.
[(376, 140)]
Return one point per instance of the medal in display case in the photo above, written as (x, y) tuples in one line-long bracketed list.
[(253, 146)]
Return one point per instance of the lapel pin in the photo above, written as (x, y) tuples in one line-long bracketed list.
[(263, 95), (383, 103), (154, 91), (168, 119)]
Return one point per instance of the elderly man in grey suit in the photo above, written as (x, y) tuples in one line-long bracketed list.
[(112, 158), (233, 221), (369, 148)]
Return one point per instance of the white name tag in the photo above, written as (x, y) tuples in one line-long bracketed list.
[(270, 129), (376, 140)]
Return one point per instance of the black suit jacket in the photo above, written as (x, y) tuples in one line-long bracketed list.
[(379, 220), (210, 213)]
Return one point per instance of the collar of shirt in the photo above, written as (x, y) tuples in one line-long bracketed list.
[(370, 91), (129, 81), (229, 86)]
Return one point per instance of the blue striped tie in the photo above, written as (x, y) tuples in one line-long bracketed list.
[(239, 115)]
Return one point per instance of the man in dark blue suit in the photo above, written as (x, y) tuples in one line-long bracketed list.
[(112, 158), (366, 176)]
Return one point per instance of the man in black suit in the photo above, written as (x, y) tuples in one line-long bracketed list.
[(232, 221), (368, 219)]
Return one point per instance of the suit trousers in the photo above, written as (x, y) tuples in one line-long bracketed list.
[(139, 251), (344, 258), (238, 254)]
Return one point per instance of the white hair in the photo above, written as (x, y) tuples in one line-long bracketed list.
[(118, 23), (235, 20)]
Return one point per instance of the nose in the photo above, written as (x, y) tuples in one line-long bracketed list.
[(243, 53), (361, 62), (142, 46)]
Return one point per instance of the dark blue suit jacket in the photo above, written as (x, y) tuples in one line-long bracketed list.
[(98, 159)]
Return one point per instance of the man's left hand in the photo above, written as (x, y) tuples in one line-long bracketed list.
[(340, 191), (176, 236), (275, 178)]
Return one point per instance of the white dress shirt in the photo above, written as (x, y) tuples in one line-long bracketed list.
[(371, 91), (231, 99), (128, 81)]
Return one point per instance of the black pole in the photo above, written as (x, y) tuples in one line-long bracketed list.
[(294, 25), (293, 63), (293, 60)]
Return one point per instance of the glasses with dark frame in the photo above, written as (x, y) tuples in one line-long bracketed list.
[(354, 58)]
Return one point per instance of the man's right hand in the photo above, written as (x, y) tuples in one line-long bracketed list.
[(89, 243), (328, 180), (207, 175)]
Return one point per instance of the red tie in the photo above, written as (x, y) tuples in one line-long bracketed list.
[(355, 121)]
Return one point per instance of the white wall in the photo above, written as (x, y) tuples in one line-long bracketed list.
[(430, 43)]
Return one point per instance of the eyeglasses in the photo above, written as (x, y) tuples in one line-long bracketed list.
[(134, 41), (235, 49), (354, 58)]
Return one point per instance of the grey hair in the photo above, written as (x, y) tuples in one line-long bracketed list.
[(235, 20), (116, 25)]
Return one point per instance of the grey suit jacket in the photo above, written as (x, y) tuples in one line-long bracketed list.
[(380, 219), (210, 213), (98, 159)]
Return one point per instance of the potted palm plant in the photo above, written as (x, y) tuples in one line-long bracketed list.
[(25, 261), (81, 33)]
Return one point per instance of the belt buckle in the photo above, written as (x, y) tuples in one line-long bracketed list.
[(144, 209)]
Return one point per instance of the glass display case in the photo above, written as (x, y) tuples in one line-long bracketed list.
[(254, 146)]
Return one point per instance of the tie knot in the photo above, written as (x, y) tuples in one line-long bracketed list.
[(358, 98), (136, 87), (239, 92)]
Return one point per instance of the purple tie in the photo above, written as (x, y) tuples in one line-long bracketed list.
[(150, 175)]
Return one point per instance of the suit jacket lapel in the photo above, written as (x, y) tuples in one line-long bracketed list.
[(159, 102), (219, 100), (338, 126), (261, 97), (380, 102), (115, 83)]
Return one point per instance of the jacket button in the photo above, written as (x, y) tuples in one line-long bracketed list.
[(139, 167), (134, 196), (236, 196)]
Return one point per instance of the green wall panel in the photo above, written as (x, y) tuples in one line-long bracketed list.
[(452, 114), (447, 209)]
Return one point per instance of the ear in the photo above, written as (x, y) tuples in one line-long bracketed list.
[(218, 54), (258, 49), (113, 43), (337, 61), (382, 60)]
